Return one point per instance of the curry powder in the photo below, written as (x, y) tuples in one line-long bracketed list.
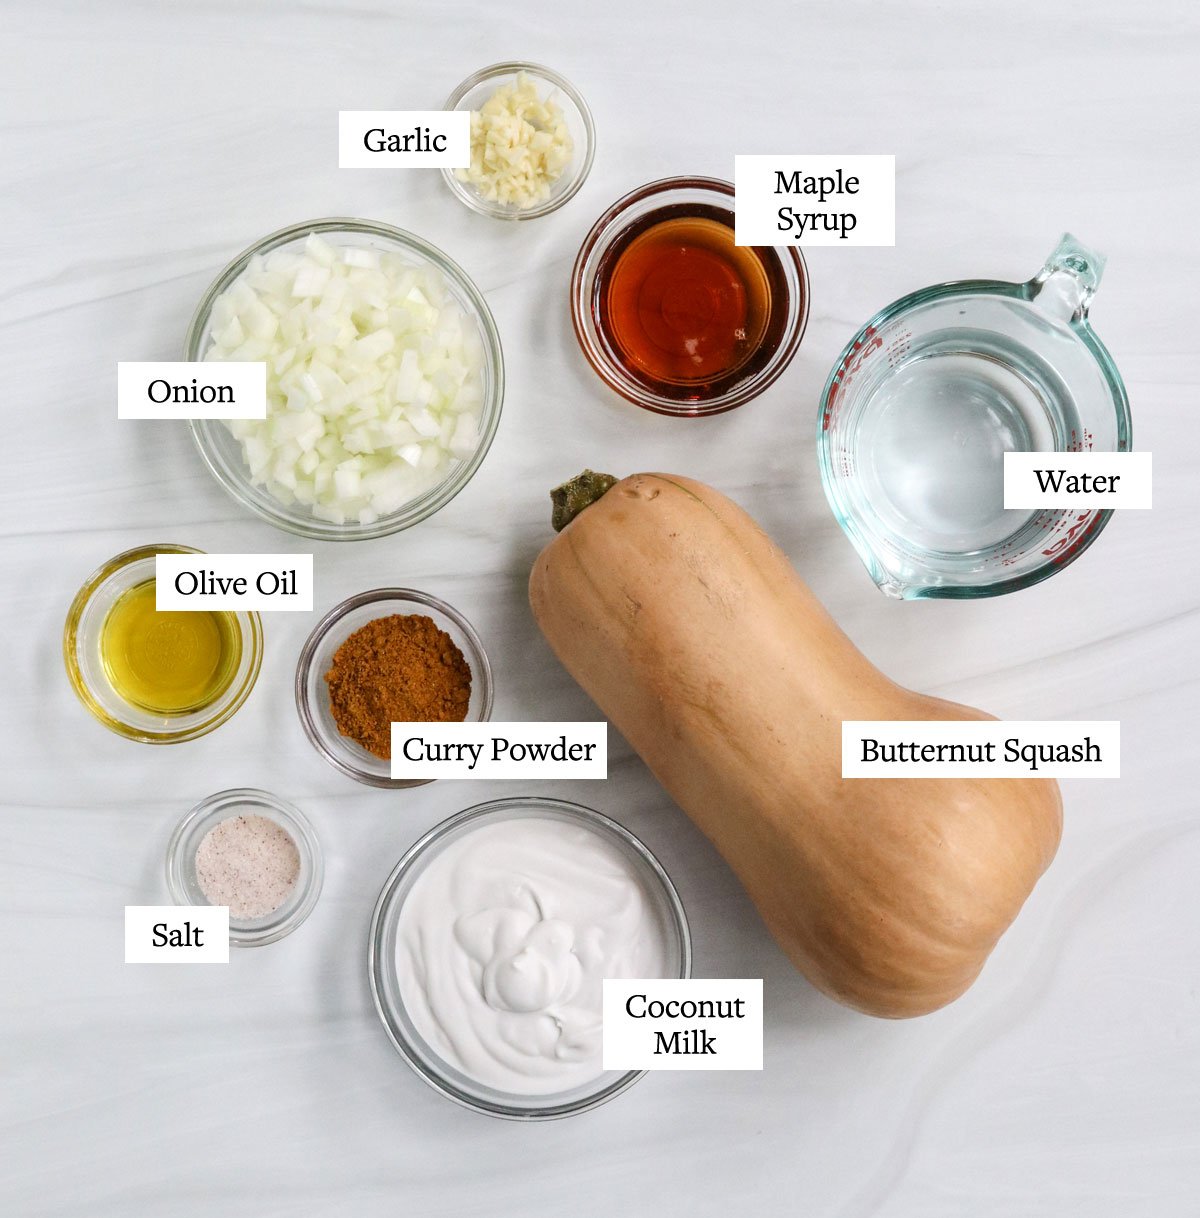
[(402, 669)]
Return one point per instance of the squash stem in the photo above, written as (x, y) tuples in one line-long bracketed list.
[(576, 494)]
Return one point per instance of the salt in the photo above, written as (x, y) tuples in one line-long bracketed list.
[(249, 863)]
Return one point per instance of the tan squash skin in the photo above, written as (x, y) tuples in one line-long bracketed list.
[(698, 641)]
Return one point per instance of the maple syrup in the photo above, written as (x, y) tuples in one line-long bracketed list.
[(685, 311)]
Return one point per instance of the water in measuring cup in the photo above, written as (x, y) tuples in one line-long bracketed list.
[(933, 432)]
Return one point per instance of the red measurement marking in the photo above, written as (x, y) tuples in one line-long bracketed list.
[(1073, 537), (851, 363)]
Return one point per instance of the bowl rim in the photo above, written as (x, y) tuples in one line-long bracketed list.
[(481, 672), (523, 805), (79, 603), (468, 196), (596, 243), (213, 807), (424, 505)]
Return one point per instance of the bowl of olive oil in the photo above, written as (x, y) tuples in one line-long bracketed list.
[(156, 677)]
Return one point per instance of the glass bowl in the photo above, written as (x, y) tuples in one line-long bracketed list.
[(675, 198), (385, 985), (222, 452), (90, 680), (245, 801), (312, 697), (476, 90), (929, 396)]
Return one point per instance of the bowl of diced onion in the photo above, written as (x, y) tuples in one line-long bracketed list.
[(385, 378), (532, 141)]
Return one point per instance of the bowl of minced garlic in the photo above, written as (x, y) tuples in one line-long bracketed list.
[(532, 141), (391, 655)]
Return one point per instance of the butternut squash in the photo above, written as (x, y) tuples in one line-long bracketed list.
[(696, 638)]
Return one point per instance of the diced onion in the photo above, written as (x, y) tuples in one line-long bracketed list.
[(520, 146), (374, 377)]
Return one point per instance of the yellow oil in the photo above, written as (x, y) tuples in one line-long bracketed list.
[(168, 663)]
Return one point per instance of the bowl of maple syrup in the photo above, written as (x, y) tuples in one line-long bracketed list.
[(674, 316)]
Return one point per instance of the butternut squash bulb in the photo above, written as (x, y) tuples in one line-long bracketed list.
[(699, 642)]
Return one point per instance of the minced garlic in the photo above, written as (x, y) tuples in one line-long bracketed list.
[(520, 146)]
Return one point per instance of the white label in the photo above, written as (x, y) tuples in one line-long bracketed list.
[(176, 934), (201, 390), (814, 200), (404, 139), (1077, 480), (698, 1024), (500, 750), (241, 582), (981, 749)]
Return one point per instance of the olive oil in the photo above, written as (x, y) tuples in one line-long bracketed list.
[(168, 663), (687, 312)]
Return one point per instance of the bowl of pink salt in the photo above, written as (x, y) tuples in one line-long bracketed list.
[(253, 852)]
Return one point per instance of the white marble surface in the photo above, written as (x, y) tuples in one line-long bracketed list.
[(144, 144)]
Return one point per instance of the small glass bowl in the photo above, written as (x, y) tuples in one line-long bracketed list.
[(677, 194), (385, 984), (316, 658), (85, 665), (476, 90), (222, 451), (246, 801)]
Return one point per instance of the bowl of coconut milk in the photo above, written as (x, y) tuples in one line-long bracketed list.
[(490, 944)]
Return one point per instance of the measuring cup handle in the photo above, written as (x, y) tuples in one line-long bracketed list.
[(1064, 287)]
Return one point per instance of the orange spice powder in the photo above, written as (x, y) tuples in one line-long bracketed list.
[(404, 669)]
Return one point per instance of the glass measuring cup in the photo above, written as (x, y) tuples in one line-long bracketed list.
[(926, 399)]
